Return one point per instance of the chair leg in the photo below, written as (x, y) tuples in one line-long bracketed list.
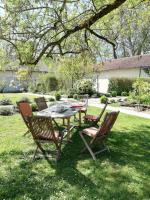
[(35, 152), (27, 132), (88, 147), (63, 122), (43, 151)]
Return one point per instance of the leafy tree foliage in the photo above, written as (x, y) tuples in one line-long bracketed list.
[(37, 29), (45, 28)]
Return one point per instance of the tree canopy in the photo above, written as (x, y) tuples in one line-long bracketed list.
[(37, 29)]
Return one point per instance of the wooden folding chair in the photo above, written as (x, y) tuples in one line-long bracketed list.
[(42, 131), (84, 99), (99, 134), (41, 103), (93, 118), (25, 111)]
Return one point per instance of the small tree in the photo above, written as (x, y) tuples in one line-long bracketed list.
[(141, 90), (75, 68), (51, 83), (84, 87)]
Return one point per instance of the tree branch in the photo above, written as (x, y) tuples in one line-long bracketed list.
[(85, 24), (106, 40)]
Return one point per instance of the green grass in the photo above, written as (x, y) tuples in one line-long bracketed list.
[(16, 96), (117, 104), (122, 174)]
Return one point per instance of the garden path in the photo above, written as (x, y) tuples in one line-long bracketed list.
[(95, 103)]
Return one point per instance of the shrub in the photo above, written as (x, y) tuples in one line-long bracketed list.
[(120, 85), (57, 96), (40, 87), (113, 93), (94, 95), (6, 111), (112, 101), (24, 99), (145, 99), (141, 92), (103, 99), (71, 92), (51, 83), (34, 107), (51, 99), (75, 96), (2, 86), (124, 94), (108, 94), (32, 87), (6, 101), (84, 87)]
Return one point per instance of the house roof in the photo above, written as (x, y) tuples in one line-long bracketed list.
[(124, 63)]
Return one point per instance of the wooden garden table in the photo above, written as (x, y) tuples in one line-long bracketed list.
[(67, 113)]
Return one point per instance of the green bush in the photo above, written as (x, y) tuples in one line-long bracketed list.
[(24, 99), (145, 99), (5, 101), (51, 99), (2, 86), (84, 87), (6, 111), (34, 107), (51, 83), (75, 96), (57, 96), (124, 94), (113, 93), (141, 91), (103, 99), (107, 95), (120, 85), (71, 92)]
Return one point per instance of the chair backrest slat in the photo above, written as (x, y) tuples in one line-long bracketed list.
[(84, 99), (102, 111), (108, 123), (41, 127), (25, 110), (41, 103)]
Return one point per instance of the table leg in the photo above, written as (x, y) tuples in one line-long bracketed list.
[(63, 122), (79, 118), (68, 128)]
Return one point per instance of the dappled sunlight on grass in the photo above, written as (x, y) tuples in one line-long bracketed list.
[(122, 174)]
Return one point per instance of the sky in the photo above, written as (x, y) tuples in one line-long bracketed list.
[(1, 9)]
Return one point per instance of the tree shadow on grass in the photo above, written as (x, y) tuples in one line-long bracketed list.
[(77, 176), (131, 147), (40, 180)]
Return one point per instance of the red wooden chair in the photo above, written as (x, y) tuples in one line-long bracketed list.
[(25, 111), (93, 118), (42, 131), (99, 134), (41, 103)]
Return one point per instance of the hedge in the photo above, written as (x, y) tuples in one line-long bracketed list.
[(120, 85)]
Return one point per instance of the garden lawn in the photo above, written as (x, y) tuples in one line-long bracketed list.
[(122, 174), (14, 97)]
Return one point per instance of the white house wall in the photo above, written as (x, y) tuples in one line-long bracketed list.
[(7, 76), (102, 78)]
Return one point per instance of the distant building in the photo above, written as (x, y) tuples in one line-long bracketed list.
[(10, 73), (129, 67)]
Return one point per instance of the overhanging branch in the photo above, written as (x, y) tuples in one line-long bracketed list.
[(85, 24)]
